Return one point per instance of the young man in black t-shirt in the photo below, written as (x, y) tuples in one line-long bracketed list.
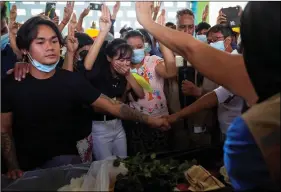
[(39, 112)]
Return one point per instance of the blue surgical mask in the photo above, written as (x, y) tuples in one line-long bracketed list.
[(202, 38), (4, 41), (218, 45), (147, 48), (138, 56), (41, 67)]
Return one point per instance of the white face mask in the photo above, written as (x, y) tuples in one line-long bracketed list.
[(42, 67)]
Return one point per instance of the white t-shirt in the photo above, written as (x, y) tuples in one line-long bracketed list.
[(229, 107)]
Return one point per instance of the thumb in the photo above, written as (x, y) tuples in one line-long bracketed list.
[(9, 72)]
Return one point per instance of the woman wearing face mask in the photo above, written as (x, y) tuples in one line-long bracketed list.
[(154, 71), (108, 70)]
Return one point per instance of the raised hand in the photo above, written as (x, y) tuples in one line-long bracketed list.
[(161, 20), (72, 42), (85, 12), (56, 19), (13, 13), (188, 88), (13, 27), (105, 22), (144, 11), (205, 13), (68, 10), (116, 8), (156, 8), (221, 18)]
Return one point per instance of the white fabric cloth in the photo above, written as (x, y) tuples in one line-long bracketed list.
[(109, 139), (229, 107)]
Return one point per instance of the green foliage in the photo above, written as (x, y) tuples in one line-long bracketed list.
[(139, 167)]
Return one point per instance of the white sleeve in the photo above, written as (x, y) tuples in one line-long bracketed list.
[(222, 94)]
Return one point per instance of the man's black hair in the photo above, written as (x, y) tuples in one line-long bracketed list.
[(125, 29), (201, 26), (168, 24), (28, 31), (184, 12), (225, 30)]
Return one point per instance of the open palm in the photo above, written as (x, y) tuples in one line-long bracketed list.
[(105, 22)]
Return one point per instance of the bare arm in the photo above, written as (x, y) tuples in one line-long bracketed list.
[(62, 25), (135, 86), (14, 45), (105, 25), (68, 61), (79, 27), (168, 69), (7, 144), (229, 70), (94, 51), (205, 102)]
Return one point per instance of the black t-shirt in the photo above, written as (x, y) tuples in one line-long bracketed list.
[(8, 60), (44, 114), (103, 80)]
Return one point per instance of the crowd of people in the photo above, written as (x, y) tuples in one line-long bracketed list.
[(74, 99)]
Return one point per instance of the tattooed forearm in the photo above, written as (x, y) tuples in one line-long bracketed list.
[(9, 151), (127, 113), (130, 114), (109, 99)]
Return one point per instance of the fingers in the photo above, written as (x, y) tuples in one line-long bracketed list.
[(14, 174), (9, 72), (20, 70)]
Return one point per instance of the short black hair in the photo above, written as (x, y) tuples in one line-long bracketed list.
[(169, 24), (28, 31), (145, 35), (83, 39), (118, 47), (134, 33), (4, 11), (125, 29), (184, 12), (202, 25), (225, 30), (261, 46)]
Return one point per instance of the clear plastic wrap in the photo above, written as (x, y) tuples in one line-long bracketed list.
[(47, 179), (102, 175)]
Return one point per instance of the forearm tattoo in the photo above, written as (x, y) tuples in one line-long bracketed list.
[(127, 112), (9, 151)]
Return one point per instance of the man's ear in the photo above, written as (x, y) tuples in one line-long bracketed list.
[(24, 51)]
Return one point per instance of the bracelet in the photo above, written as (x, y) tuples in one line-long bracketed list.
[(64, 23)]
